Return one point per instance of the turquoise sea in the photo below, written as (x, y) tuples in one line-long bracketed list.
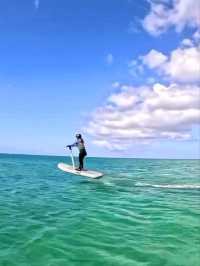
[(141, 213)]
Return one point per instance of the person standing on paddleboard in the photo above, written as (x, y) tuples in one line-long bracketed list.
[(82, 151)]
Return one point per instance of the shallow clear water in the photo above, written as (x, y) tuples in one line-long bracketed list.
[(141, 213)]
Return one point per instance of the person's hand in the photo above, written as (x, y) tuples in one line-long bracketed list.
[(69, 146)]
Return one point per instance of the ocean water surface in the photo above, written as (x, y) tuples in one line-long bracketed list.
[(141, 213)]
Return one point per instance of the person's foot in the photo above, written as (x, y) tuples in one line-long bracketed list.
[(77, 169)]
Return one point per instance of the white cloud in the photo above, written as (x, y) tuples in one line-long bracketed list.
[(135, 69), (133, 63), (154, 59), (124, 99), (187, 43), (176, 13), (109, 59), (134, 26), (109, 145), (182, 65), (150, 80), (116, 84), (37, 3), (146, 113), (196, 35)]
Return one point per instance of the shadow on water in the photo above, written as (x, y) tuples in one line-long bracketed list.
[(98, 185), (104, 186)]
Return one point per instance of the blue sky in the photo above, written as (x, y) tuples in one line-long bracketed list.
[(64, 61)]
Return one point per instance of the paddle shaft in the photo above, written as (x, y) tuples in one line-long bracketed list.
[(72, 157)]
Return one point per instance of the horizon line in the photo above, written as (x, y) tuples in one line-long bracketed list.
[(106, 157)]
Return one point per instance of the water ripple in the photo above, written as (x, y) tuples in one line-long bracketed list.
[(142, 213)]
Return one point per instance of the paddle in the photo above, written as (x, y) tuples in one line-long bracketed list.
[(72, 157)]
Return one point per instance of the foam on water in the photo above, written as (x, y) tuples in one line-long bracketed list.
[(171, 186)]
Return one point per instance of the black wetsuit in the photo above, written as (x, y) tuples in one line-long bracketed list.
[(82, 151), (82, 154)]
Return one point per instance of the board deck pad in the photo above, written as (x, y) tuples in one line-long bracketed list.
[(69, 169)]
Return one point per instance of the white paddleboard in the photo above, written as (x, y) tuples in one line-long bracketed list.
[(69, 169)]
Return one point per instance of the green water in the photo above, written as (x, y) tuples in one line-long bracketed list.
[(141, 213)]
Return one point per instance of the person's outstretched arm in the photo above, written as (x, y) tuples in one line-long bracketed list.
[(75, 144)]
